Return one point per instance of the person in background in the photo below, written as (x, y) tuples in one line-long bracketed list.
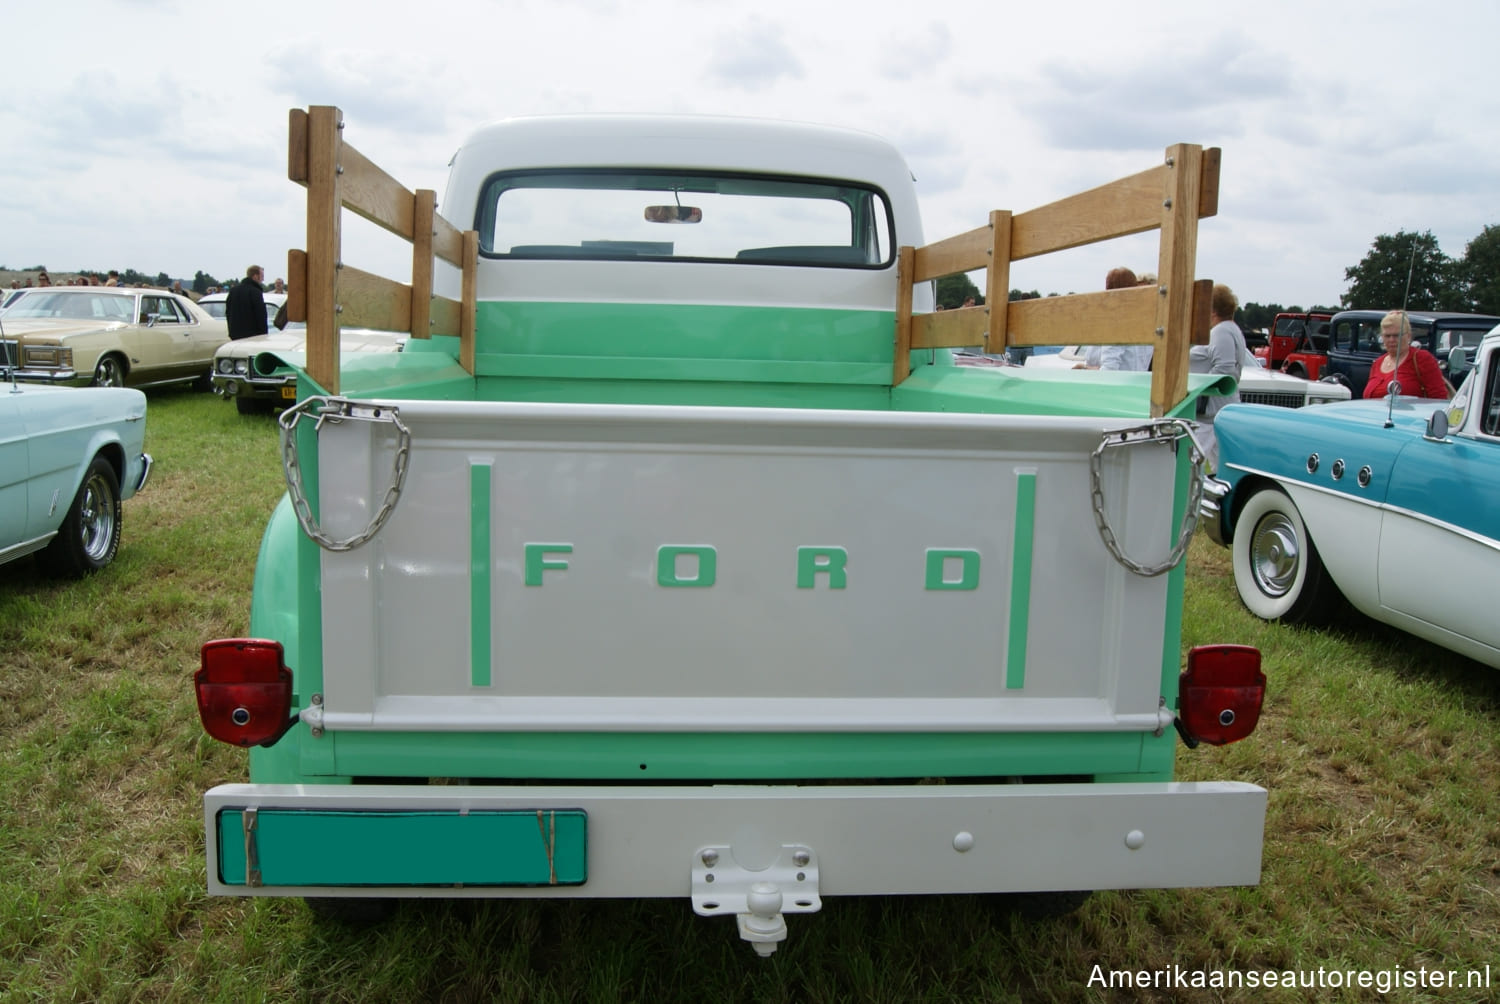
[(43, 279), (245, 307), (114, 278), (1224, 354), (279, 286), (1411, 366), (1118, 357)]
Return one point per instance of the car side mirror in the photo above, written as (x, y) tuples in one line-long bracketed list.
[(1458, 359), (1437, 425)]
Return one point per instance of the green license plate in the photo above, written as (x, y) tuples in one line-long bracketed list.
[(317, 847)]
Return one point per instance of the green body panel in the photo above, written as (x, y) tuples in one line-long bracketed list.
[(696, 355), (329, 848), (724, 756)]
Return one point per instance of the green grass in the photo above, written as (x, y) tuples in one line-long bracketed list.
[(1378, 751)]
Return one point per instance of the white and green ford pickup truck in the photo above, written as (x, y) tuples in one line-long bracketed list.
[(675, 557)]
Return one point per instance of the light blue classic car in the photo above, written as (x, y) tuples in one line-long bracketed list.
[(68, 458), (1393, 504)]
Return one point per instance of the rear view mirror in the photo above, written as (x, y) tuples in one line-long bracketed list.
[(1437, 425), (1458, 359), (674, 214)]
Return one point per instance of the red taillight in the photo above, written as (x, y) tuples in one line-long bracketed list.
[(244, 691), (1219, 697)]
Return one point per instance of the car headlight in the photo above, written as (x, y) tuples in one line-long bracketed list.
[(48, 356), (224, 365), (241, 366)]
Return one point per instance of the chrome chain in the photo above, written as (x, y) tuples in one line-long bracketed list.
[(1164, 431), (336, 410)]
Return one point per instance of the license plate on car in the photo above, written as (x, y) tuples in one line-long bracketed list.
[(290, 393)]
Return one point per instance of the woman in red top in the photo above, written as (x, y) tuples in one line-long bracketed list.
[(1413, 368)]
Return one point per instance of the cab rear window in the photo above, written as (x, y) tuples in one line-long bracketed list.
[(672, 216)]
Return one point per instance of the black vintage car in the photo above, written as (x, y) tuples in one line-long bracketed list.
[(1354, 340)]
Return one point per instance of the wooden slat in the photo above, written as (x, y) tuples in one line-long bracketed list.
[(367, 300), (447, 317), (371, 193), (1203, 290), (1108, 317), (470, 287), (448, 242), (323, 230), (296, 146), (905, 264), (964, 327), (1179, 199), (963, 253), (1127, 206), (296, 285), (997, 282), (424, 212), (1208, 195)]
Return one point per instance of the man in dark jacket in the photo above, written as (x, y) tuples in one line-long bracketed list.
[(245, 307)]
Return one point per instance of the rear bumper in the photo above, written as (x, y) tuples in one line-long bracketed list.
[(640, 842)]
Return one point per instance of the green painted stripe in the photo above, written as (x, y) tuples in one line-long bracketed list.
[(669, 368), (479, 574), (317, 847), (685, 331), (1023, 541), (649, 757)]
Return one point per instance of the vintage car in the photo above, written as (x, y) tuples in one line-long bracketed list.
[(1354, 341), (1257, 385), (110, 336), (1389, 503), (216, 304), (253, 371), (68, 458)]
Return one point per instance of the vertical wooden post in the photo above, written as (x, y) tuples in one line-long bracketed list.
[(324, 205), (424, 209), (997, 282), (1181, 188), (906, 264), (470, 300)]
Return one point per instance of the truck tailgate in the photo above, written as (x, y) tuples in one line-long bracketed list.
[(647, 568)]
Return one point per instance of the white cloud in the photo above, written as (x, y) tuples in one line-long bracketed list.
[(152, 134)]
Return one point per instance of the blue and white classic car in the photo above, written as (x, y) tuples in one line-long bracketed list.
[(68, 458), (1393, 503)]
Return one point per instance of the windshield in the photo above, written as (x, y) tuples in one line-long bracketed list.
[(77, 305), (660, 215)]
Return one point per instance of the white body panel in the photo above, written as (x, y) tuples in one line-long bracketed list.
[(643, 841), (601, 644)]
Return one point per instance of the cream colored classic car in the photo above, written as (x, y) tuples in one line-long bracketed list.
[(253, 371), (110, 337)]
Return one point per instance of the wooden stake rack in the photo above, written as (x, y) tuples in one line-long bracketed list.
[(1169, 316), (327, 294)]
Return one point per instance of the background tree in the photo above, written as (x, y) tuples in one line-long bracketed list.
[(202, 280), (952, 290), (1481, 271), (1017, 294), (1379, 281)]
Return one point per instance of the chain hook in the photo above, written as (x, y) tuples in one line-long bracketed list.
[(336, 410), (1165, 431)]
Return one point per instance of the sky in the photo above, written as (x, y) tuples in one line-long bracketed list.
[(151, 134)]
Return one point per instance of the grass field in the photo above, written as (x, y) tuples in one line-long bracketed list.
[(1379, 751)]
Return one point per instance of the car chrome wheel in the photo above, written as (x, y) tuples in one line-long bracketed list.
[(109, 373), (1277, 570), (96, 518), (1274, 555)]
